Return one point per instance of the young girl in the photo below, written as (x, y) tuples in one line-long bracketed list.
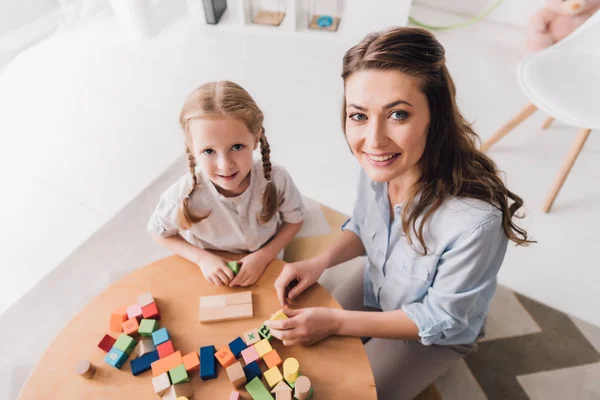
[(228, 201)]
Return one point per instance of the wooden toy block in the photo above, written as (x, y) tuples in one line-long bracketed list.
[(251, 337), (144, 346), (147, 326), (167, 363), (182, 398), (304, 389), (184, 390), (150, 311), (165, 349), (257, 390), (107, 343), (178, 374), (235, 395), (263, 347), (161, 383), (160, 336), (282, 391), (273, 376), (250, 355), (223, 300), (236, 375), (134, 311), (227, 313), (143, 363), (117, 318), (272, 359), (191, 362), (264, 332), (131, 326), (116, 358), (125, 343), (145, 299), (291, 369), (278, 315), (252, 370), (208, 363), (85, 369), (236, 346), (169, 394), (234, 266), (225, 356)]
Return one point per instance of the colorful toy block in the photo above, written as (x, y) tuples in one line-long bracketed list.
[(252, 370), (107, 343), (131, 326), (235, 373), (264, 332), (234, 266), (282, 391), (117, 318), (257, 390), (251, 337), (145, 299), (144, 346), (160, 336), (165, 349), (147, 326), (150, 311), (134, 311), (250, 355), (116, 358), (272, 359), (273, 376), (182, 390), (263, 347), (191, 362), (236, 346), (125, 343), (225, 356), (143, 363), (167, 363), (208, 363), (161, 383), (304, 389), (226, 307), (278, 315), (178, 374), (235, 396), (85, 369), (291, 369)]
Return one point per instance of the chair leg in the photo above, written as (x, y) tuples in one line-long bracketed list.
[(509, 126), (566, 168), (547, 123)]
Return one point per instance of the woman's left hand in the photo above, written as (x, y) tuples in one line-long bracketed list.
[(251, 268), (306, 326)]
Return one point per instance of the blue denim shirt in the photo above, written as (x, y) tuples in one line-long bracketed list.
[(447, 292)]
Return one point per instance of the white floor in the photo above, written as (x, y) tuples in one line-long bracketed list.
[(88, 120)]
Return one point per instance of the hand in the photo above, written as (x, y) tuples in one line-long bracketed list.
[(301, 274), (306, 326), (215, 270), (252, 267)]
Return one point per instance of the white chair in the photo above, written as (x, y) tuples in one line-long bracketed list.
[(564, 82)]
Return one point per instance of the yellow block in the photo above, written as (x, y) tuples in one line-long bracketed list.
[(273, 376), (291, 368), (263, 347), (279, 315)]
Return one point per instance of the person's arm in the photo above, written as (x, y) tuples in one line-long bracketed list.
[(287, 231), (181, 247)]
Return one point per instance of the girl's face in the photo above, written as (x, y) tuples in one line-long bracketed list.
[(223, 150), (387, 117)]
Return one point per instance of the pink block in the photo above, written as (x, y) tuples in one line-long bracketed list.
[(134, 311), (250, 354), (235, 396)]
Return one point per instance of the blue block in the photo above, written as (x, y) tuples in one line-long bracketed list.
[(116, 358), (208, 363), (143, 363), (160, 336), (252, 370), (237, 346)]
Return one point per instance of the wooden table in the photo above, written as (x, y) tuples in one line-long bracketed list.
[(338, 367)]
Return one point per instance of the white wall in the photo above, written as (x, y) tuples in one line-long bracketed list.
[(14, 14), (512, 12)]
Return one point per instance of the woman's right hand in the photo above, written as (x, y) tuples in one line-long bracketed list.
[(215, 270), (300, 275)]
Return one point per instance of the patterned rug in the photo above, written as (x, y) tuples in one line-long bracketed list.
[(531, 351)]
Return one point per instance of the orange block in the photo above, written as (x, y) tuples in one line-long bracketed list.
[(225, 356), (191, 361), (165, 364), (131, 326), (272, 359), (117, 318)]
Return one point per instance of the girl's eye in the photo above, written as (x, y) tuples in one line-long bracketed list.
[(237, 147), (399, 115), (208, 152), (357, 117)]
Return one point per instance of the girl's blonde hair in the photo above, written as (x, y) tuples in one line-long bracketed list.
[(215, 100)]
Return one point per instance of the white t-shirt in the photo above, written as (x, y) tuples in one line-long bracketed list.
[(233, 223)]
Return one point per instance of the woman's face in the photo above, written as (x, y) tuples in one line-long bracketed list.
[(387, 118)]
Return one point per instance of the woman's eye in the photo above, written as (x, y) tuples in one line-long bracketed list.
[(358, 117), (208, 152), (237, 147), (399, 115)]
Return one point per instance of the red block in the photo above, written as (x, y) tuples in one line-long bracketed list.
[(150, 311), (165, 349), (107, 343)]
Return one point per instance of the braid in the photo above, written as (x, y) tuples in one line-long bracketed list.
[(186, 216), (270, 202)]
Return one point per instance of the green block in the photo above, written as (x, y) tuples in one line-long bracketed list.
[(234, 266), (179, 375), (125, 343), (264, 332), (147, 326), (257, 390)]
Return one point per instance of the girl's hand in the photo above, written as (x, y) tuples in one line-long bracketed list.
[(215, 270), (251, 268), (300, 275), (306, 326)]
